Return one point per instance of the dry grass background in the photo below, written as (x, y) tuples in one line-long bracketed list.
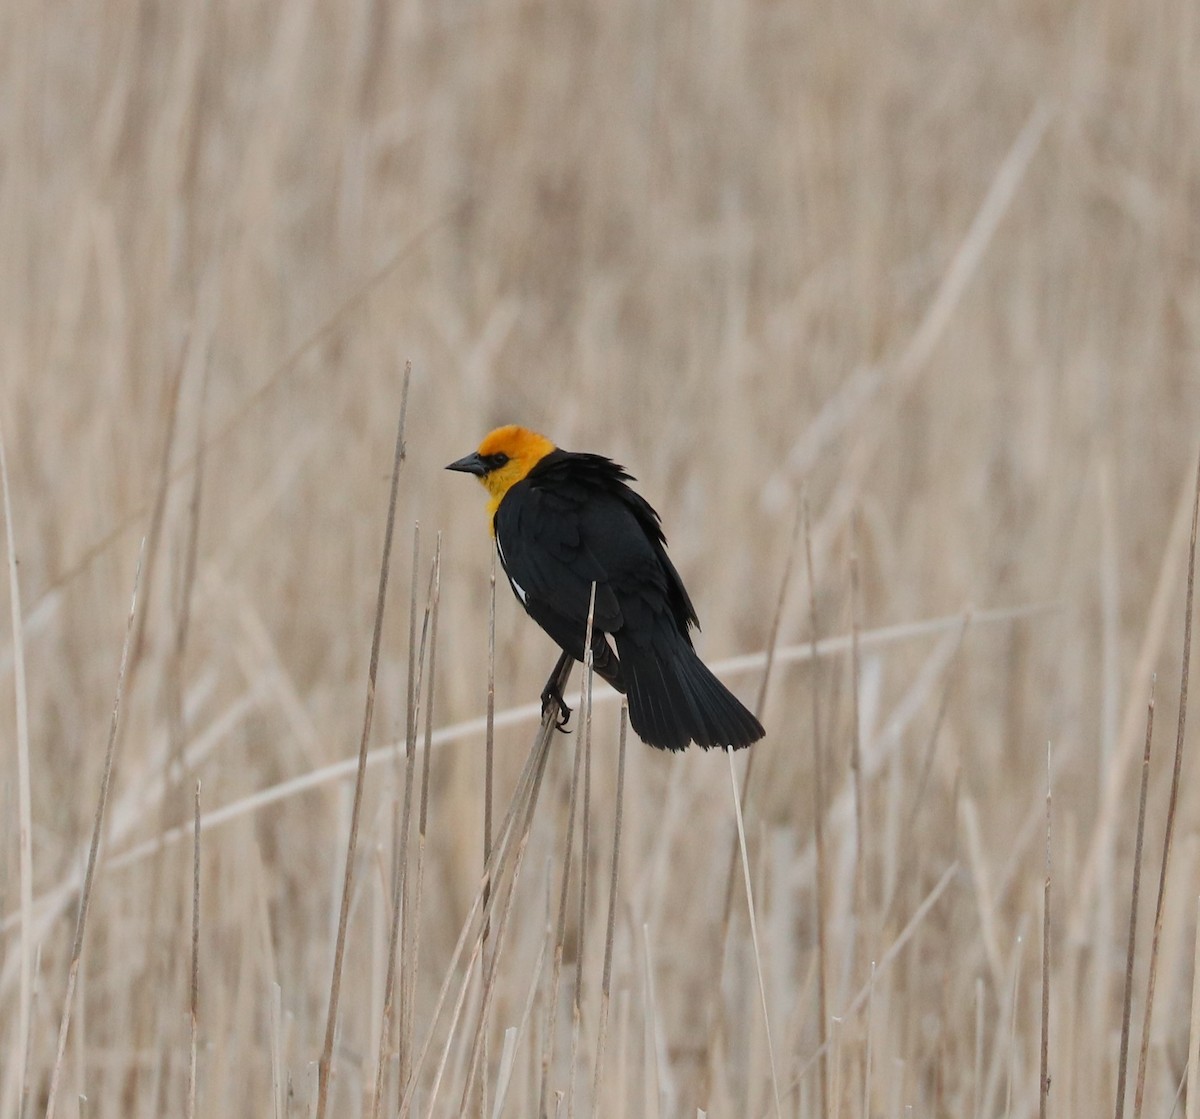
[(936, 266)]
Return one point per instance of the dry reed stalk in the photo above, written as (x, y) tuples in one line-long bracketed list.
[(247, 408), (564, 888), (520, 810), (978, 1078), (885, 962), (85, 895), (716, 1021), (399, 858), (326, 1059), (818, 792), (413, 919), (1127, 1000), (400, 880), (652, 1092), (1172, 802), (278, 1075), (1014, 1005), (50, 904), (508, 1056), (176, 756), (194, 986), (489, 983), (19, 1084), (489, 752), (606, 978), (158, 509), (1153, 636), (1044, 1081), (584, 859), (914, 360), (762, 986), (856, 768), (489, 973), (869, 1060), (1193, 1063)]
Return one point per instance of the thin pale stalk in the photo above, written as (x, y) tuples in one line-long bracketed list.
[(717, 1005), (885, 962), (762, 986), (1172, 802), (560, 935), (818, 792), (856, 768), (400, 876), (24, 799), (1014, 998), (489, 985), (609, 935), (523, 798), (584, 855), (194, 1000), (399, 859), (1193, 1064), (1044, 1083), (85, 896), (50, 904), (489, 749), (324, 1065)]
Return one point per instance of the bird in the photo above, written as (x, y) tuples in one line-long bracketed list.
[(565, 520)]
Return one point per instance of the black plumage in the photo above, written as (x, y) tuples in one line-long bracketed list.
[(573, 520)]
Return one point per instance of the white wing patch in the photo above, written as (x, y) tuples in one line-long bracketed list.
[(515, 585)]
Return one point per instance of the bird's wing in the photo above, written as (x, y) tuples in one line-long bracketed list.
[(546, 547)]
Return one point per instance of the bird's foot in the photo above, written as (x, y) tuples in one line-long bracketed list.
[(551, 694)]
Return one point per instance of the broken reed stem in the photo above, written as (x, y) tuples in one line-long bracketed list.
[(85, 895), (818, 787), (762, 985), (1143, 1056), (1044, 1094), (335, 986), (524, 797), (606, 980), (1127, 1004), (561, 930), (194, 1000)]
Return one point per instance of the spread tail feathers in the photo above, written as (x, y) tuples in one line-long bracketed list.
[(674, 699)]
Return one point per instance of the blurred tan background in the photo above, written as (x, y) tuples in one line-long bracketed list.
[(933, 267)]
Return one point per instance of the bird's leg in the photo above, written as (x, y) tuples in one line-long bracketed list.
[(552, 692)]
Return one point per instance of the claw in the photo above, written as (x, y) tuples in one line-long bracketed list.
[(553, 695)]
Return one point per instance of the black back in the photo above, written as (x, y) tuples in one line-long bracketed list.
[(573, 520)]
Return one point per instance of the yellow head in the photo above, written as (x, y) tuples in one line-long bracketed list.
[(504, 458)]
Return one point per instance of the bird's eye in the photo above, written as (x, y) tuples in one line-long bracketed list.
[(499, 459)]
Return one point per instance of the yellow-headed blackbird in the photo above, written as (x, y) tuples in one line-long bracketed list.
[(563, 521)]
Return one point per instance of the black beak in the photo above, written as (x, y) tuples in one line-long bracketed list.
[(469, 464)]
